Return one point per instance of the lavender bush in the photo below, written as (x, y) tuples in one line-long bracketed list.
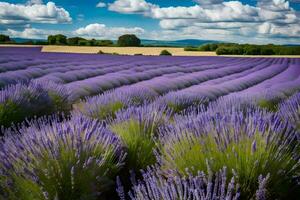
[(137, 128), (21, 101), (290, 110), (155, 186), (249, 146), (76, 159)]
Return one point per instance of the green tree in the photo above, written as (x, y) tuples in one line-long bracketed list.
[(129, 40), (57, 39), (51, 39), (61, 39), (4, 38), (73, 41)]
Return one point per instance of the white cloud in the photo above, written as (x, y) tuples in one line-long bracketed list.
[(33, 13), (101, 5), (101, 31), (222, 20), (32, 33), (131, 6)]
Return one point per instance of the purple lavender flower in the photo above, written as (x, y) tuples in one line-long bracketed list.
[(72, 159), (156, 186)]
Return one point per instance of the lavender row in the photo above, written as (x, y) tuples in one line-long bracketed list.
[(147, 152)]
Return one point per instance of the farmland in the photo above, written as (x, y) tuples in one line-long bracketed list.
[(91, 126)]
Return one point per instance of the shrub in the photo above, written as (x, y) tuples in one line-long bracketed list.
[(106, 105), (290, 110), (155, 186), (248, 146), (76, 159), (165, 53), (21, 101), (100, 52), (191, 49), (129, 41), (269, 104), (137, 127)]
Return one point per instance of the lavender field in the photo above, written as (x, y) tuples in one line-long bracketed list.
[(88, 127)]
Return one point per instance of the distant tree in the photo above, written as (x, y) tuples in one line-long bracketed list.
[(51, 39), (103, 43), (252, 50), (4, 38), (73, 41), (83, 42), (165, 53), (267, 51), (61, 39), (57, 39), (129, 41), (223, 50)]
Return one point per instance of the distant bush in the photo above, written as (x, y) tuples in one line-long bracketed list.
[(129, 41), (165, 53), (191, 49), (100, 52)]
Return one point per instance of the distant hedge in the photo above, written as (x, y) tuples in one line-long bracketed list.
[(247, 49)]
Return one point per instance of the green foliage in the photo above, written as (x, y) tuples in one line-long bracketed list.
[(191, 49), (137, 137), (109, 110), (248, 157), (208, 47), (11, 112), (74, 41), (103, 43), (165, 53), (270, 105), (57, 39), (4, 38), (129, 40), (75, 174), (247, 49), (235, 50)]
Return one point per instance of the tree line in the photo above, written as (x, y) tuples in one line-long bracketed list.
[(59, 39), (247, 49)]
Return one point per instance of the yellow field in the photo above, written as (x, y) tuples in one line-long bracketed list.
[(126, 50), (135, 50)]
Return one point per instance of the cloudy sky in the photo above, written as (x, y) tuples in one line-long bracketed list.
[(252, 21)]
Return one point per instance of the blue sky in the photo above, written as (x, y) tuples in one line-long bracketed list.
[(244, 21)]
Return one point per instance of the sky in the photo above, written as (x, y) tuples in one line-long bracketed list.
[(241, 21)]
